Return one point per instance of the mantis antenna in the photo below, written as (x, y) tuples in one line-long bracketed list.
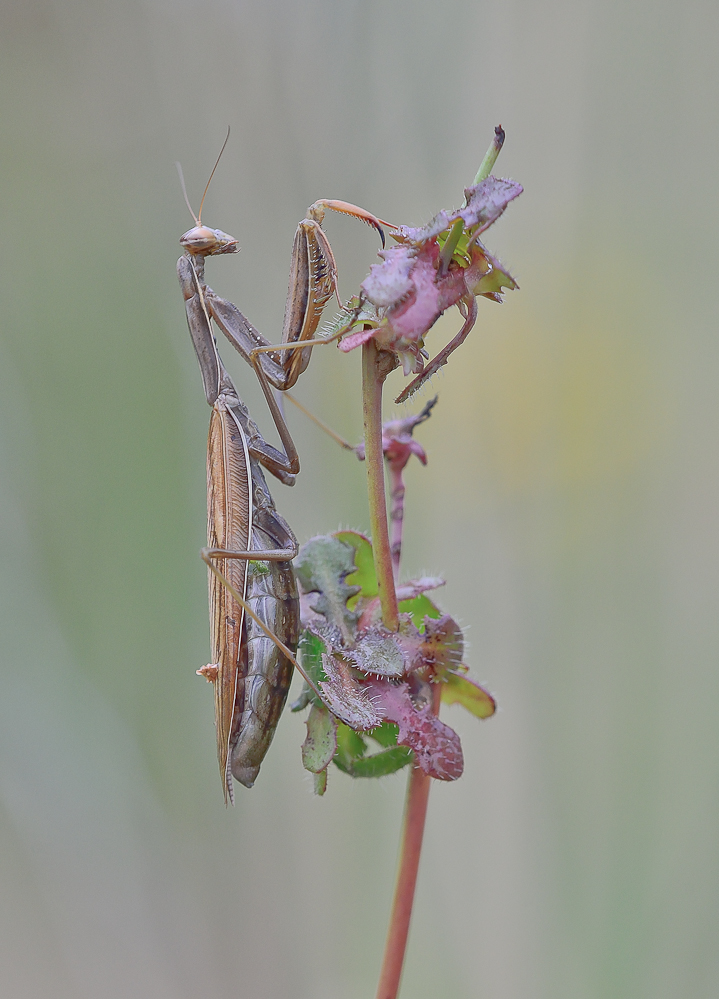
[(198, 217)]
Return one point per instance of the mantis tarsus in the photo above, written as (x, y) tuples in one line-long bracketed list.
[(254, 607)]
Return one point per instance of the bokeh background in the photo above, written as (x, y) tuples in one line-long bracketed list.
[(570, 497)]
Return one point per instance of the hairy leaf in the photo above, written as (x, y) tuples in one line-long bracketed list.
[(444, 642), (485, 203), (351, 701), (390, 281), (414, 588), (322, 566), (356, 339), (438, 648), (378, 652)]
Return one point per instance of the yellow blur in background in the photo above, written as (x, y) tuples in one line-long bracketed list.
[(570, 497)]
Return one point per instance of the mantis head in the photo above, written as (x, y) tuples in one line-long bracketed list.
[(201, 241), (205, 242)]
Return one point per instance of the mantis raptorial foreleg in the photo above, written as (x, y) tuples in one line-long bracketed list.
[(313, 280)]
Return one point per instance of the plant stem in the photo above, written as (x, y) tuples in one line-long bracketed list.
[(415, 812), (395, 436), (490, 157), (372, 381), (373, 376)]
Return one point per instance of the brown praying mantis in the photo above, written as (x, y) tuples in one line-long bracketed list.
[(254, 605)]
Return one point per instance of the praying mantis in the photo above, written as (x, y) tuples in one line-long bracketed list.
[(254, 604)]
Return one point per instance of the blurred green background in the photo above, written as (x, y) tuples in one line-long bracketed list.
[(570, 497)]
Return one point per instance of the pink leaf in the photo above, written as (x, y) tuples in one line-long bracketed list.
[(437, 747), (416, 587), (485, 203), (356, 340), (389, 282)]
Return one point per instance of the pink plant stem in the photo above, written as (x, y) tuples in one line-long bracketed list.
[(372, 382), (373, 377), (415, 812)]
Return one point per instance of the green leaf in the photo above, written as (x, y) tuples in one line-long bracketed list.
[(388, 761), (320, 782), (461, 690), (419, 607), (351, 756), (321, 742), (450, 244), (306, 696), (486, 275), (350, 747), (385, 734), (364, 575), (309, 651), (495, 281)]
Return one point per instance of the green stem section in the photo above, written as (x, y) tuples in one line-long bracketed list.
[(415, 812), (372, 382), (490, 157)]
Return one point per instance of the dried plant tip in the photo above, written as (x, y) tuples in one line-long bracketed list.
[(490, 157)]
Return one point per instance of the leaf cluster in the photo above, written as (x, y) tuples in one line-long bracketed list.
[(378, 687)]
